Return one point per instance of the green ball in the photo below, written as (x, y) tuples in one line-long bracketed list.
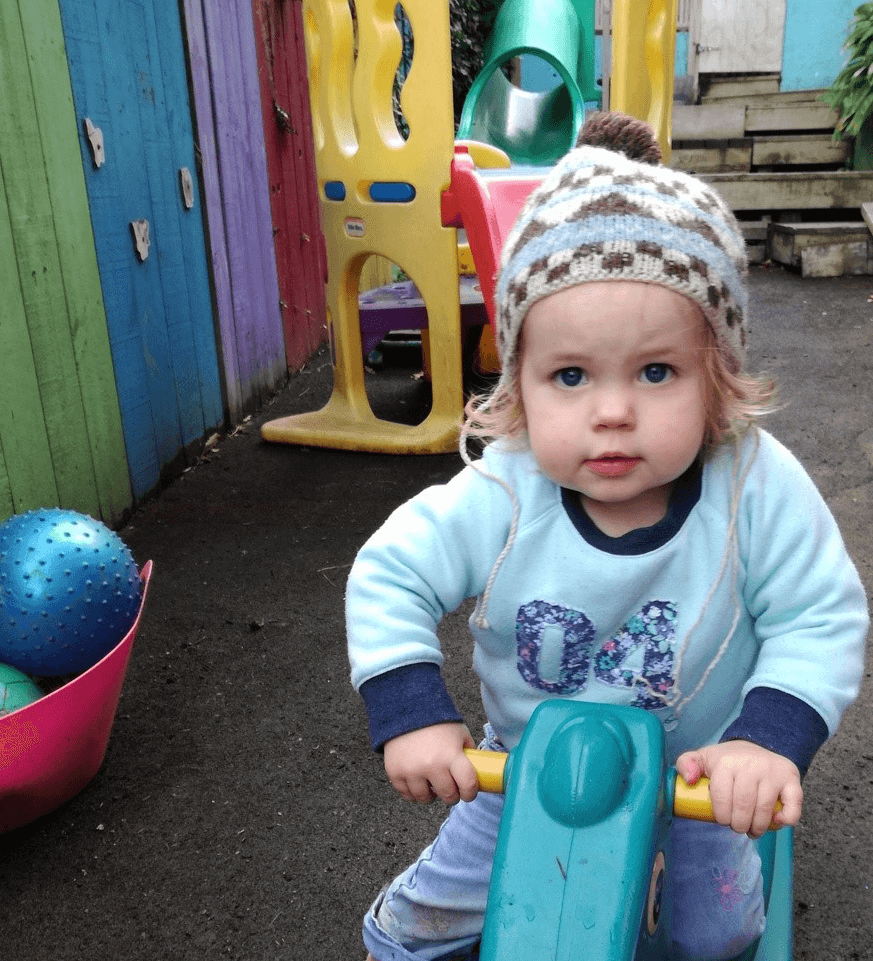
[(16, 689)]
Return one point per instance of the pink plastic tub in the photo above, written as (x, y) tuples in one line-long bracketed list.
[(52, 748)]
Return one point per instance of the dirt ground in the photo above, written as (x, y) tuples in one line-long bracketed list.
[(240, 813)]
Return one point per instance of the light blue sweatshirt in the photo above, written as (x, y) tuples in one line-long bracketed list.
[(574, 614)]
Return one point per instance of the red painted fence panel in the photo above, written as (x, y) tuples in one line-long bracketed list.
[(293, 181)]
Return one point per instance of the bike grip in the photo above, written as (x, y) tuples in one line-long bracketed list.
[(692, 801), (490, 767)]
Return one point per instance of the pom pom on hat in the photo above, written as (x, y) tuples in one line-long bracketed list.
[(617, 131), (610, 211)]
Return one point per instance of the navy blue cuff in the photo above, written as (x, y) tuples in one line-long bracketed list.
[(782, 723), (406, 699)]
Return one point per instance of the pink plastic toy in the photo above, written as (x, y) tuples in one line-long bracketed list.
[(52, 748)]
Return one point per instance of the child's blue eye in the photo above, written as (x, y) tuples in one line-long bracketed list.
[(656, 373), (570, 376)]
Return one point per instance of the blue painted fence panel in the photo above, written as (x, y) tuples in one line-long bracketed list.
[(128, 69)]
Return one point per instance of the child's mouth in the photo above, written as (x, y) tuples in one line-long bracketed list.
[(612, 465)]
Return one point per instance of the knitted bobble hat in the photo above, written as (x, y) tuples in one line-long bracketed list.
[(610, 211)]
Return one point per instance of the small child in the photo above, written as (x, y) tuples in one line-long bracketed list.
[(631, 536)]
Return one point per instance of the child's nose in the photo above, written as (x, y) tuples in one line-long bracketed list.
[(613, 409)]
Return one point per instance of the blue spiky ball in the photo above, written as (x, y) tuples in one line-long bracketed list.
[(69, 591)]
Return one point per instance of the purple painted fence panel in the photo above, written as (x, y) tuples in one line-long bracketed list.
[(197, 55), (238, 199), (245, 184)]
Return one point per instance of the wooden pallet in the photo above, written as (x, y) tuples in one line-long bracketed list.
[(794, 191), (757, 132), (822, 249), (721, 88), (773, 158)]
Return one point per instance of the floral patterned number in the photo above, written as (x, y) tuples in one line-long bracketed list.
[(653, 629), (555, 645), (535, 623)]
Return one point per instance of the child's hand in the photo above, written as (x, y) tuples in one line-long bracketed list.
[(431, 763), (745, 781)]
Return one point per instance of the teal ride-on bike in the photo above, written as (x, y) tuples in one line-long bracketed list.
[(580, 863)]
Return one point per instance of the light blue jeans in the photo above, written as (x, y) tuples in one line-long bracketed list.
[(436, 908)]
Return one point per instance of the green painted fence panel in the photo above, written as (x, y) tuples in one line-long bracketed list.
[(60, 425), (26, 472)]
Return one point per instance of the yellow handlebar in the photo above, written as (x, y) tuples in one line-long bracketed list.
[(490, 767), (689, 801), (692, 800)]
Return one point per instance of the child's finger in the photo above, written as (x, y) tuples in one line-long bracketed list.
[(465, 778), (417, 789), (689, 768), (752, 806), (792, 805), (721, 793), (443, 786), (763, 815)]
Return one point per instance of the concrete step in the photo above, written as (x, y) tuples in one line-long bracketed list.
[(800, 150), (763, 130), (773, 158), (815, 249), (742, 118), (755, 233), (713, 156), (713, 121), (806, 116)]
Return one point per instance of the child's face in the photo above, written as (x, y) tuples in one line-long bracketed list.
[(614, 395)]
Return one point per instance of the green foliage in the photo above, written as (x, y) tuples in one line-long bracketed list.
[(404, 28), (851, 94), (471, 24)]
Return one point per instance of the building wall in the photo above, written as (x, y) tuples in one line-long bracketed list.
[(813, 52), (814, 36)]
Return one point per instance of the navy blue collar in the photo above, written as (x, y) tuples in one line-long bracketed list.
[(685, 494)]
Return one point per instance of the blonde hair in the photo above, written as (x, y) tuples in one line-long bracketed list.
[(735, 401)]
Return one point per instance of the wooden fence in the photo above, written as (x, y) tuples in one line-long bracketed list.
[(142, 304)]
